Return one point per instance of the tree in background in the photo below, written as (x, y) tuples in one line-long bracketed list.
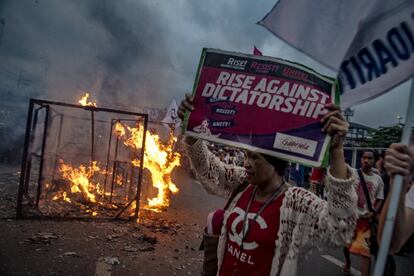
[(385, 136)]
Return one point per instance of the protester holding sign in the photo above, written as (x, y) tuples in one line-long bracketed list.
[(269, 223), (372, 51)]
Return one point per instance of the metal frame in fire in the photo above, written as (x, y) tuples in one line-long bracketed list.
[(36, 107)]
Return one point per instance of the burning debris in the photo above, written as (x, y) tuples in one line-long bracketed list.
[(76, 179), (159, 158), (80, 179)]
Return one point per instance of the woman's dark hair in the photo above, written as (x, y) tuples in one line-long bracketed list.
[(374, 153), (279, 164)]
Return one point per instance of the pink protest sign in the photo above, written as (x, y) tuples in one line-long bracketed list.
[(260, 103)]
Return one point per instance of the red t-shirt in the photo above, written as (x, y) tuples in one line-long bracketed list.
[(259, 244)]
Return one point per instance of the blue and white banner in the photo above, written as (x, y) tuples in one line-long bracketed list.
[(369, 42)]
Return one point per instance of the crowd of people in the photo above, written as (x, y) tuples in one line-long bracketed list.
[(267, 222), (228, 155)]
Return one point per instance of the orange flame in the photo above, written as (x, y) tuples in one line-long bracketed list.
[(159, 159), (119, 180), (119, 130), (84, 101), (62, 196), (80, 180), (136, 162)]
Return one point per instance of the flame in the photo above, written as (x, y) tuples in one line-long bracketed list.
[(62, 196), (159, 159), (84, 101), (136, 162), (119, 180), (119, 130), (80, 180)]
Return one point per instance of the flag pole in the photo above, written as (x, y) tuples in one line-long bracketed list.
[(395, 194)]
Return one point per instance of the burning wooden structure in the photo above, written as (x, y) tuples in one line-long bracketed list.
[(84, 161)]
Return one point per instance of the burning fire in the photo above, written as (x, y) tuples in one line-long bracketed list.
[(119, 130), (81, 183), (119, 180), (84, 101), (63, 196), (159, 159)]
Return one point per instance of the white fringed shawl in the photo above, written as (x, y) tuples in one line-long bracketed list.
[(306, 221)]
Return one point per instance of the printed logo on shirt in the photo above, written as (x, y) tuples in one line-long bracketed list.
[(236, 236)]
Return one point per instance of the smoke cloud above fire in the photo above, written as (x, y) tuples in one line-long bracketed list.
[(131, 52), (111, 48)]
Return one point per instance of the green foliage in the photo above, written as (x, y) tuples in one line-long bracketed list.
[(385, 136)]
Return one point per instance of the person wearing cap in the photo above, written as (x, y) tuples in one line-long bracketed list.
[(269, 223)]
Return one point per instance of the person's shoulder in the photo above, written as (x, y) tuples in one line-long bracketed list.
[(355, 171), (409, 198), (410, 192)]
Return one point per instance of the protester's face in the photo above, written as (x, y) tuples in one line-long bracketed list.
[(258, 170), (367, 160)]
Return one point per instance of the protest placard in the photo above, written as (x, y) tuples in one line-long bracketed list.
[(262, 104)]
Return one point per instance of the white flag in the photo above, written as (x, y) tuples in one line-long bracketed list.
[(171, 117), (369, 42)]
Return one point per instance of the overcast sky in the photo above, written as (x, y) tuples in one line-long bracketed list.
[(141, 52)]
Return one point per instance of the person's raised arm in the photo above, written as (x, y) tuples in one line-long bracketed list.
[(216, 177), (336, 126), (329, 222), (399, 159)]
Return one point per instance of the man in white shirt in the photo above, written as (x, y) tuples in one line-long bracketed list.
[(375, 187), (374, 184)]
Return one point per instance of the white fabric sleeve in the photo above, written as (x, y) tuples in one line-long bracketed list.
[(215, 176), (380, 190), (409, 198), (324, 223)]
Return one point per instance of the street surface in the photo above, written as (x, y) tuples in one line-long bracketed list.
[(163, 244)]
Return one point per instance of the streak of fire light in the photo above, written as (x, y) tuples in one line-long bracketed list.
[(84, 101)]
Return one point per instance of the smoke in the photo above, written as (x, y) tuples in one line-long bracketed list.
[(56, 50), (114, 49), (136, 64)]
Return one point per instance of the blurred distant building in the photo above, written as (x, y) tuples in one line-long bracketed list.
[(358, 134)]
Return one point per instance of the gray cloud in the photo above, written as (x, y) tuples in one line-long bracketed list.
[(113, 49)]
